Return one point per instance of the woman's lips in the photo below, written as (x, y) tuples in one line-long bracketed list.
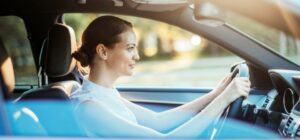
[(131, 66)]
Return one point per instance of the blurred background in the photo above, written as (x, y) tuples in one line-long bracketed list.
[(170, 56)]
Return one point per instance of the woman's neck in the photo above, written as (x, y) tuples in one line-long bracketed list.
[(102, 76)]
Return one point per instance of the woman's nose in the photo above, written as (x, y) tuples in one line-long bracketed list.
[(136, 55)]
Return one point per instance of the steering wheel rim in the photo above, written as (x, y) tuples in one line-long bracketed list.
[(234, 109)]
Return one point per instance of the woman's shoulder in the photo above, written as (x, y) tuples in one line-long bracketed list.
[(80, 94), (85, 91)]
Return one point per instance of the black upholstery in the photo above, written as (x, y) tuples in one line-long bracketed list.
[(55, 91), (59, 65), (61, 44), (74, 75)]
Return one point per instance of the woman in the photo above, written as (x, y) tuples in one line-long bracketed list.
[(109, 48)]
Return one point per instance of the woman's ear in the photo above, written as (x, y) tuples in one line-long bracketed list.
[(101, 51)]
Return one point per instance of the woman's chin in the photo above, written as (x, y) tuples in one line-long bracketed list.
[(128, 73)]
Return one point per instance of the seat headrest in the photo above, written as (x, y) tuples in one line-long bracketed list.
[(61, 45), (6, 68)]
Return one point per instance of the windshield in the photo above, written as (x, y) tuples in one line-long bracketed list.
[(273, 38)]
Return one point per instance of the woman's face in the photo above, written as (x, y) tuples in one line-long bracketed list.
[(122, 58)]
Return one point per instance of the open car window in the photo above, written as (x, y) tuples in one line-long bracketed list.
[(170, 56), (13, 34)]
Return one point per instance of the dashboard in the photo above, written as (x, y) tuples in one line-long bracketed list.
[(287, 85)]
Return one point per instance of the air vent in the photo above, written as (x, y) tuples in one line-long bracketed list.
[(297, 135), (266, 103), (288, 128)]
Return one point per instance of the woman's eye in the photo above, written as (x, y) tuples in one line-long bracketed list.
[(130, 48)]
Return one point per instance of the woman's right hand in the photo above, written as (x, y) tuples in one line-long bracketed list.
[(239, 86)]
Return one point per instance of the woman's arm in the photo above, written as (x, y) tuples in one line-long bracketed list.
[(101, 121), (170, 119)]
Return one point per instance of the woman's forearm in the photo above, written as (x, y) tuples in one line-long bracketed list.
[(174, 117), (170, 119), (196, 125), (196, 105)]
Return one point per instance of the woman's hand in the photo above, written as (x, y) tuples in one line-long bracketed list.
[(223, 84), (240, 86)]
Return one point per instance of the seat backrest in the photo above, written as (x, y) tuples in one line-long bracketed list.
[(35, 118), (54, 91), (58, 63), (61, 44)]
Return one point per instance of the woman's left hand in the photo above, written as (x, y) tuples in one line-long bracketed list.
[(222, 84)]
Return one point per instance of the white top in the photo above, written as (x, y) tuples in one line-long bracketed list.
[(102, 112), (108, 98)]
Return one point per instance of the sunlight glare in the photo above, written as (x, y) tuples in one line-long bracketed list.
[(196, 40), (183, 46)]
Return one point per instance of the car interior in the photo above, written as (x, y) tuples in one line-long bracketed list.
[(58, 63), (25, 111)]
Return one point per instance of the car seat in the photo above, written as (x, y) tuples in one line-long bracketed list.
[(58, 63), (34, 117)]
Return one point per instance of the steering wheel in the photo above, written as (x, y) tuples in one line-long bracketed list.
[(234, 109)]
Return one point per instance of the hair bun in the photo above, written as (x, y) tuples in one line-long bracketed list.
[(81, 57)]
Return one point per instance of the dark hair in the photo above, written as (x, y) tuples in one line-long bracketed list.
[(104, 30)]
